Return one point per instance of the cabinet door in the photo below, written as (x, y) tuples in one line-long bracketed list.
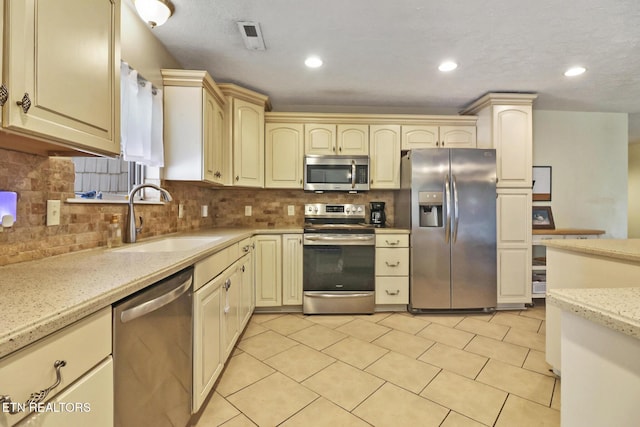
[(248, 144), (512, 136), (514, 276), (2, 82), (213, 135), (458, 136), (353, 140), (64, 54), (292, 269), (284, 155), (384, 149), (419, 137), (207, 340), (319, 139), (247, 292), (268, 264), (514, 246), (230, 309)]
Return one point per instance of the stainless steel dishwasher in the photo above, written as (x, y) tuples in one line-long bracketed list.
[(152, 354)]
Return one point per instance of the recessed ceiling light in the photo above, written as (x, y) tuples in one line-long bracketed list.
[(447, 66), (313, 62), (574, 71)]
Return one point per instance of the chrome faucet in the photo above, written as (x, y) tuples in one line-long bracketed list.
[(132, 230)]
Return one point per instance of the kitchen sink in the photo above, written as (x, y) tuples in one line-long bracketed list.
[(170, 244)]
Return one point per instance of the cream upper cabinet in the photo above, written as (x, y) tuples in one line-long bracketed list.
[(245, 120), (62, 66), (384, 159), (341, 139), (3, 86), (431, 136), (195, 144), (513, 139), (353, 140), (284, 156), (457, 136), (292, 269), (320, 139)]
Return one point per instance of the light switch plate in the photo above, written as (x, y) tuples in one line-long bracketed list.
[(53, 212), (205, 211), (180, 211), (291, 210), (247, 211)]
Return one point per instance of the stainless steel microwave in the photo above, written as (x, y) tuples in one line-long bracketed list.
[(336, 173)]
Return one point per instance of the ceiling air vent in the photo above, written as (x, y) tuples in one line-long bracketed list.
[(251, 35)]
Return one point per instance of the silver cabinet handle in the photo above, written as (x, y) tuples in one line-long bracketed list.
[(38, 396), (396, 243), (25, 103), (4, 94), (397, 292), (245, 249), (227, 284), (392, 265)]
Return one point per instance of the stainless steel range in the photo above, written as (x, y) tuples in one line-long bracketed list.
[(339, 260)]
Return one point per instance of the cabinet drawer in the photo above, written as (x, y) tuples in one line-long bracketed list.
[(392, 290), (392, 240), (392, 262), (210, 267), (91, 398), (81, 345)]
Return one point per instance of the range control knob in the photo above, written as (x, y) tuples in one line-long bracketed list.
[(359, 208)]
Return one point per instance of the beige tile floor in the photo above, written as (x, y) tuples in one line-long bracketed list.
[(388, 369)]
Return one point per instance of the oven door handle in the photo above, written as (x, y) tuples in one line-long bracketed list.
[(344, 240), (340, 294)]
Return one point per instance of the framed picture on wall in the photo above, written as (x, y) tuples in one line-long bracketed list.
[(542, 218), (541, 183)]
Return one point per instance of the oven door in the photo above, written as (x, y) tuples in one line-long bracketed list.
[(339, 273)]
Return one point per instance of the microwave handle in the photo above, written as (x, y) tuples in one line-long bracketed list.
[(353, 174)]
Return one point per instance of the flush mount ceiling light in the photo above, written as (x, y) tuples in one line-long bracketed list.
[(575, 71), (154, 12), (447, 66), (313, 62)]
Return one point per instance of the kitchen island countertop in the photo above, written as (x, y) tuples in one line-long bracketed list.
[(40, 297), (625, 249), (615, 308)]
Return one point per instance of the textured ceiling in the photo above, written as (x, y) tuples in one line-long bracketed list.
[(382, 56)]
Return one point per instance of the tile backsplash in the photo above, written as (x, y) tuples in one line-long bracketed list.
[(37, 179)]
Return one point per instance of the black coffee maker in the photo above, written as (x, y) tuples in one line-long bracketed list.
[(377, 217)]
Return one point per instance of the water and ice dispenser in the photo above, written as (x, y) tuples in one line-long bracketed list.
[(431, 213)]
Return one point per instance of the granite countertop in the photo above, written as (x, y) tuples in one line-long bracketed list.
[(615, 308), (625, 249), (43, 296)]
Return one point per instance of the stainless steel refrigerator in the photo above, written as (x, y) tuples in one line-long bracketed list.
[(448, 200)]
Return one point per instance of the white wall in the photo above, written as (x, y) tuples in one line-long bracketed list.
[(588, 156)]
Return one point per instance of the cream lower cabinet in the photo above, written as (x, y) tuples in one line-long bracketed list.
[(384, 156), (268, 264), (284, 155), (194, 128), (392, 269), (432, 136), (514, 247), (247, 293), (86, 376), (231, 308), (292, 269), (278, 263), (62, 64)]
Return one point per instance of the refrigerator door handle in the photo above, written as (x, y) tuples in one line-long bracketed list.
[(447, 199), (456, 211)]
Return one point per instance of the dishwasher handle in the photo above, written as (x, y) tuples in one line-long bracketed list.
[(156, 303)]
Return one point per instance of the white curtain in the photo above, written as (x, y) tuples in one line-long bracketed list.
[(141, 119)]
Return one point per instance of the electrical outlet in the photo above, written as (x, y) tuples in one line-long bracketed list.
[(180, 211), (205, 211), (53, 212), (247, 211), (291, 210)]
